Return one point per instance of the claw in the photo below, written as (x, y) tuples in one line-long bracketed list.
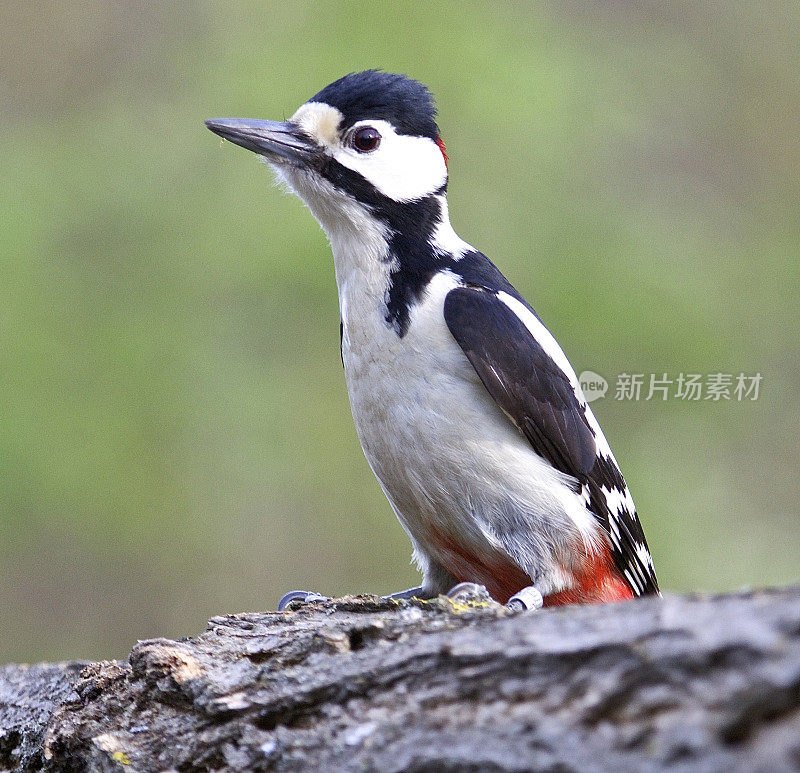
[(301, 596), (465, 592), (527, 598), (411, 593)]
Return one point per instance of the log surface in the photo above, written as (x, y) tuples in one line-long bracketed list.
[(358, 684)]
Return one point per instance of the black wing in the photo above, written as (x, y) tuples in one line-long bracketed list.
[(522, 378), (539, 397)]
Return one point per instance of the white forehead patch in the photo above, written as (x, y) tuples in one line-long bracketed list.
[(319, 121), (403, 167)]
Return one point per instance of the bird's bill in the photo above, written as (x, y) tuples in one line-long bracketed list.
[(268, 138)]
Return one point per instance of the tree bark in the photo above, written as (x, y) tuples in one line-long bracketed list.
[(706, 683)]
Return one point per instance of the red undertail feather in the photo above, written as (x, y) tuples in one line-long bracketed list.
[(598, 580), (501, 576)]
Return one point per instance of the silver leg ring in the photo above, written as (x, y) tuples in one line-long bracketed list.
[(527, 598)]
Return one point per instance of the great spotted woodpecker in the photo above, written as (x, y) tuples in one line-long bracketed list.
[(468, 411)]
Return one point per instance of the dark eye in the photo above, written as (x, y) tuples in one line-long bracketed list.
[(366, 139)]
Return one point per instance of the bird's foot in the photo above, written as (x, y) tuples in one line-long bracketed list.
[(468, 593), (527, 599), (299, 597), (410, 593), (463, 593)]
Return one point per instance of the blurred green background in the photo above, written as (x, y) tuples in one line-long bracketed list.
[(175, 437)]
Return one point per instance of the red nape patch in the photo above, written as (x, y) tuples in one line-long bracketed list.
[(440, 143)]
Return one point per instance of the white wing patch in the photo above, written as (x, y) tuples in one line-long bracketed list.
[(545, 339)]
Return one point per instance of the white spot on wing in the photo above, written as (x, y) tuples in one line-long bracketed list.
[(643, 554), (634, 583), (603, 449), (617, 501)]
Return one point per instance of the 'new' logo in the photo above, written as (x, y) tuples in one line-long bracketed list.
[(593, 385)]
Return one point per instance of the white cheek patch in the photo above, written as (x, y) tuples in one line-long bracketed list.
[(320, 122), (403, 167)]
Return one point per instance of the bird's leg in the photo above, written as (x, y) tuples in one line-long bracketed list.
[(528, 598), (411, 593), (300, 596), (305, 597)]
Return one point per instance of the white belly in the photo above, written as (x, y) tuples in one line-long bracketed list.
[(452, 464)]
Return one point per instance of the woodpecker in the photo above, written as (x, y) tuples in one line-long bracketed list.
[(467, 409)]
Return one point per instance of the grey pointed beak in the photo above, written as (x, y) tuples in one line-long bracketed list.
[(268, 138)]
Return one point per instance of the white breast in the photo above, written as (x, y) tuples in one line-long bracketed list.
[(452, 464), (449, 460)]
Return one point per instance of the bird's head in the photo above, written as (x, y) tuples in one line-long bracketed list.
[(367, 145)]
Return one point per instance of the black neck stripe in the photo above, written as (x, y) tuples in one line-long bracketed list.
[(411, 225)]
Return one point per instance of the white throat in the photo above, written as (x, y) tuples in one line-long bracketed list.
[(359, 242), (361, 259)]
